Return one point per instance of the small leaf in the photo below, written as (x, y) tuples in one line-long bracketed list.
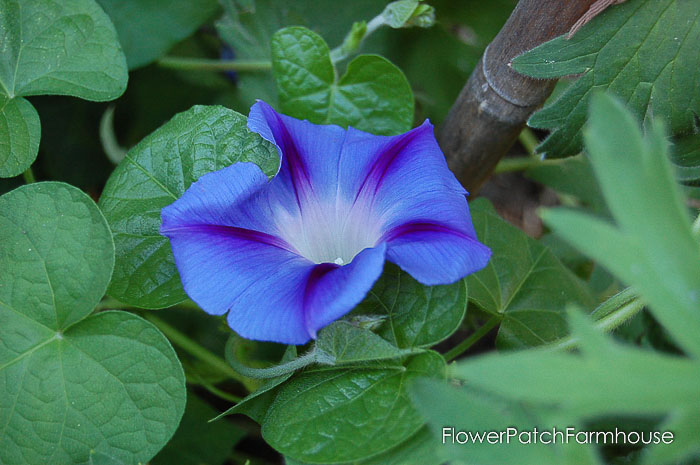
[(149, 28), (416, 315), (333, 415), (524, 282), (154, 174), (644, 51), (342, 342), (373, 95), (20, 131), (109, 383)]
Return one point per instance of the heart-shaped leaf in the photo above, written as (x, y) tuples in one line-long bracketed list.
[(155, 173), (524, 282), (414, 315), (72, 384), (340, 415), (61, 48), (373, 95)]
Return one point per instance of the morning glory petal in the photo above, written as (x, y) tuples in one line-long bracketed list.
[(308, 152), (335, 290), (434, 253)]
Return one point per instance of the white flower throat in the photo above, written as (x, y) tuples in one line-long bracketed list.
[(330, 233)]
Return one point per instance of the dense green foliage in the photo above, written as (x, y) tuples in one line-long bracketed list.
[(595, 324)]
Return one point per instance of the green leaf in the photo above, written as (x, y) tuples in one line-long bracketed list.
[(407, 13), (417, 449), (98, 458), (471, 411), (332, 415), (149, 28), (198, 442), (20, 131), (342, 342), (572, 176), (605, 379), (686, 158), (109, 383), (644, 51), (524, 282), (415, 315), (60, 48), (373, 95), (56, 253), (154, 174), (48, 47), (652, 247)]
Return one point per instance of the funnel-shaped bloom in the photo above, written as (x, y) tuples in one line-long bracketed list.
[(288, 256)]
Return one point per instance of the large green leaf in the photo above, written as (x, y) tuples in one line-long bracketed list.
[(605, 379), (414, 315), (153, 175), (110, 382), (339, 415), (524, 283), (417, 449), (373, 95), (148, 28), (644, 51), (651, 247), (48, 47), (476, 413)]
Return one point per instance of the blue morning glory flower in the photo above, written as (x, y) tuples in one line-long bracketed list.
[(288, 256)]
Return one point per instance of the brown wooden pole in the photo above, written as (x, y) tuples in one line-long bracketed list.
[(496, 101)]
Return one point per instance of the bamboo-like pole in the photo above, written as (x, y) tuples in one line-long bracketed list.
[(496, 101)]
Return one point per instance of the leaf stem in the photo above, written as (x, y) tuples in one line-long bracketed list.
[(696, 227), (507, 165), (184, 63), (277, 370), (29, 176), (191, 347), (528, 140), (193, 378), (611, 314), (473, 339)]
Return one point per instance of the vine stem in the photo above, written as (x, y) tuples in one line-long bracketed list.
[(183, 63), (463, 346), (191, 347), (507, 165), (29, 176), (611, 314), (529, 140)]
